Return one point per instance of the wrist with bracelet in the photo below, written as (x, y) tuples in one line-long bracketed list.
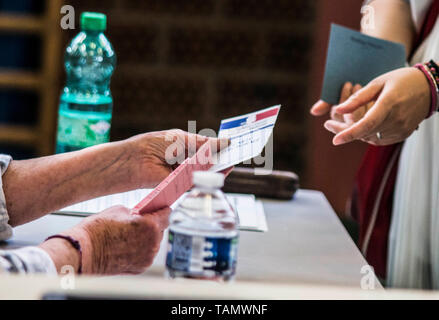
[(431, 72), (74, 243)]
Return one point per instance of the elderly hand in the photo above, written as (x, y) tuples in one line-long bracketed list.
[(401, 100), (113, 242), (154, 155), (38, 186)]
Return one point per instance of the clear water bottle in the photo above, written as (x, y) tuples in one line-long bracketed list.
[(203, 232), (86, 103)]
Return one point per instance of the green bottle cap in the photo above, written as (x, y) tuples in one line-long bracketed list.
[(93, 21)]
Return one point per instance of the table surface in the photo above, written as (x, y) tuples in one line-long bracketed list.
[(305, 243)]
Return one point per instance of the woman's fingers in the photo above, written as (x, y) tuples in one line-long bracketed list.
[(320, 108), (366, 126), (335, 126), (335, 116), (355, 116), (346, 92), (360, 98)]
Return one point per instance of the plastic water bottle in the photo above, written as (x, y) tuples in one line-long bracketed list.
[(203, 232), (86, 103)]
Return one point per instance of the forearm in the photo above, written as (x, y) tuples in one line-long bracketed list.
[(39, 186), (391, 21)]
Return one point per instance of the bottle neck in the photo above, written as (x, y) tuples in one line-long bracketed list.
[(206, 189), (93, 33)]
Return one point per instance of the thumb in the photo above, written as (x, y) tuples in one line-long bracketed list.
[(320, 108), (160, 216)]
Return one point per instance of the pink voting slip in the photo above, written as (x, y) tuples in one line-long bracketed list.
[(177, 183)]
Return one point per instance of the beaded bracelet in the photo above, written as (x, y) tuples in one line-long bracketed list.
[(434, 86), (75, 244), (434, 70)]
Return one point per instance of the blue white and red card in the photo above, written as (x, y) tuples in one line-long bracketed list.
[(248, 133), (248, 136)]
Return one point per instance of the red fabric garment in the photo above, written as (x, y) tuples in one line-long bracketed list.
[(372, 198), (429, 23), (372, 202)]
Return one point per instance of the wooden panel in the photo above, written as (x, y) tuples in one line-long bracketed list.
[(45, 81), (50, 72), (21, 23), (19, 79), (17, 134)]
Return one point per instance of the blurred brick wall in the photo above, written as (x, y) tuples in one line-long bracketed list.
[(205, 60), (334, 172)]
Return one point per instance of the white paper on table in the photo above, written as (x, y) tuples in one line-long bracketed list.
[(248, 135), (251, 214)]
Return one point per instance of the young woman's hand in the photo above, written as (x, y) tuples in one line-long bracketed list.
[(321, 108), (401, 100), (340, 122)]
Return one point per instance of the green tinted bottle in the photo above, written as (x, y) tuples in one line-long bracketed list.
[(86, 104)]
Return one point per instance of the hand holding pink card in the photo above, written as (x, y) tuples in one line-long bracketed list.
[(177, 183)]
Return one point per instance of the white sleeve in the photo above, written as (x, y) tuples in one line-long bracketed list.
[(24, 260), (5, 228)]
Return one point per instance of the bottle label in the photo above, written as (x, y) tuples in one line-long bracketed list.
[(80, 131), (198, 255)]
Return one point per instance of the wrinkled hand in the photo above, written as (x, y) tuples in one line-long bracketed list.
[(155, 155), (401, 100), (116, 242)]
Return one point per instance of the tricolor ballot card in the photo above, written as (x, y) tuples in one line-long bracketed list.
[(248, 136)]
